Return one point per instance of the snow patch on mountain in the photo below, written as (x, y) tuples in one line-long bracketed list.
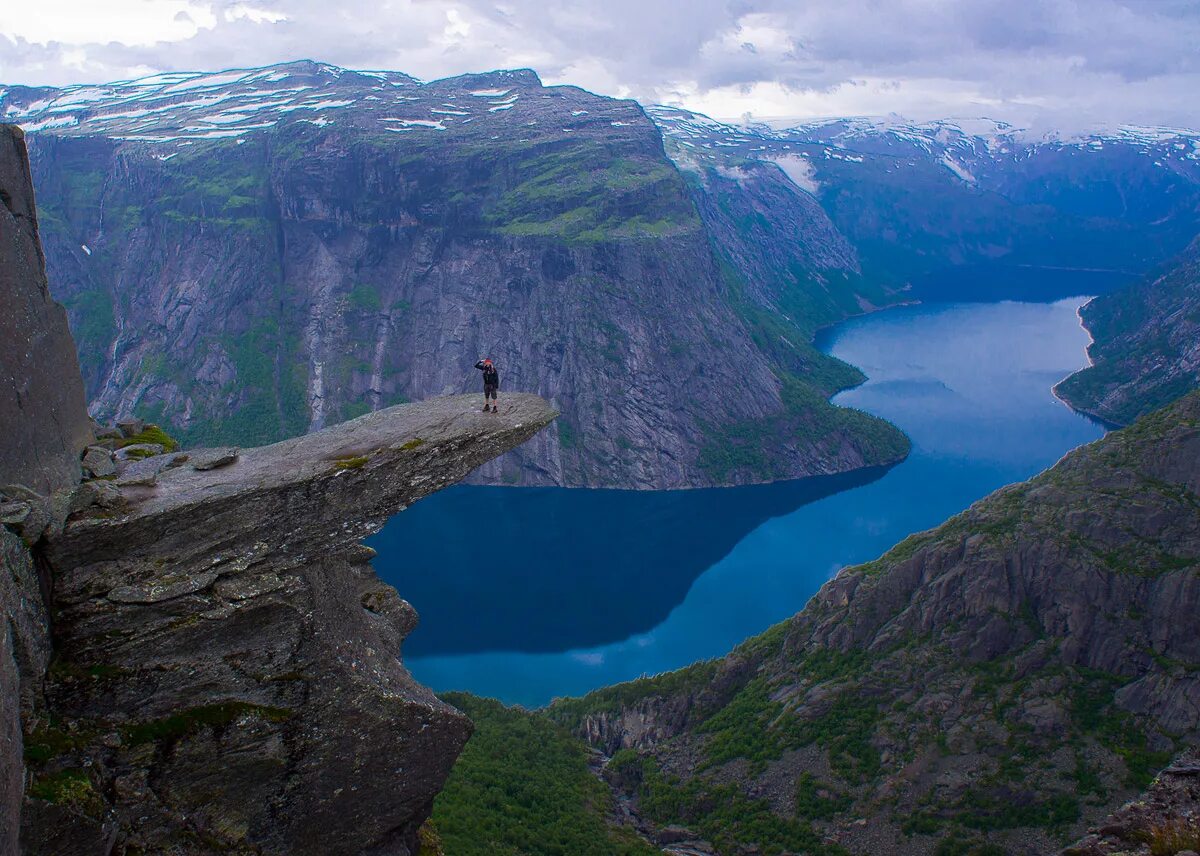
[(800, 171), (958, 169)]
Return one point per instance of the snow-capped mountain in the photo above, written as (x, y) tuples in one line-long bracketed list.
[(252, 253), (973, 136), (180, 108), (185, 107)]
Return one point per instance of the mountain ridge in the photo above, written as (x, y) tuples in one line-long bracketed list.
[(1145, 350), (1002, 680), (252, 254), (254, 282)]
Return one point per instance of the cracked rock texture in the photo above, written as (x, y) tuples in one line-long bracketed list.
[(226, 659)]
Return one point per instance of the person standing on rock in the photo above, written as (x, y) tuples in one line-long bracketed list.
[(491, 382)]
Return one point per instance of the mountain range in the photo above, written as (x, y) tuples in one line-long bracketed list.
[(197, 656), (253, 254)]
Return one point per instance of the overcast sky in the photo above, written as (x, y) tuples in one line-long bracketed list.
[(1044, 63)]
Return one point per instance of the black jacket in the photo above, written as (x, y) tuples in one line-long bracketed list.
[(491, 377)]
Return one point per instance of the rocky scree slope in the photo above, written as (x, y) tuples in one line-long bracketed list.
[(252, 255), (1146, 349), (1002, 680), (1165, 819)]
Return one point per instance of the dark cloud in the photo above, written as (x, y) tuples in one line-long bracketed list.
[(1066, 62)]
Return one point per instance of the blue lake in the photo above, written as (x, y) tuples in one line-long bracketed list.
[(530, 593)]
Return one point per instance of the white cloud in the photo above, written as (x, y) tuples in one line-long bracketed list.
[(126, 22), (1054, 62)]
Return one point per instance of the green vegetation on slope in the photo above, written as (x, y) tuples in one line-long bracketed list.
[(590, 191), (521, 787), (756, 448), (1144, 355), (902, 667), (719, 812)]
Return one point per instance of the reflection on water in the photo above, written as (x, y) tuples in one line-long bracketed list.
[(529, 594), (994, 281), (548, 569)]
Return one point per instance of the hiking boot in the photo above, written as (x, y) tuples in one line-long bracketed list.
[(494, 410), (485, 408)]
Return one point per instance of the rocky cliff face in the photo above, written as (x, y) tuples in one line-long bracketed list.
[(196, 656), (226, 674), (43, 419), (1002, 679), (1147, 344), (43, 429), (252, 258)]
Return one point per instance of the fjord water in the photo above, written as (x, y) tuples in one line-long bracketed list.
[(527, 594)]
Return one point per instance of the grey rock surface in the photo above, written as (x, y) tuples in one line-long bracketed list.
[(211, 459), (1048, 635), (24, 656), (130, 426), (98, 462), (43, 428), (43, 414), (139, 451), (229, 660)]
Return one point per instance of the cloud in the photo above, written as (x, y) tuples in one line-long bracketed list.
[(1059, 62)]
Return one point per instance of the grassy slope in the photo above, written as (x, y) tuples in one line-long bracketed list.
[(522, 786)]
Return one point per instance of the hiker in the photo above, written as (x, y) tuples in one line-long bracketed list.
[(491, 382)]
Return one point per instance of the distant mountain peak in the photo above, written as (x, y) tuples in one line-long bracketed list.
[(182, 107)]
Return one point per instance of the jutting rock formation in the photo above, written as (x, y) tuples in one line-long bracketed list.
[(197, 656)]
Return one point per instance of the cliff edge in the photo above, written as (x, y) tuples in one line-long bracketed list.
[(226, 676), (195, 655)]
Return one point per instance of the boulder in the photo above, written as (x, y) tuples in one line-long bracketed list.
[(211, 459), (131, 426), (138, 451), (98, 462)]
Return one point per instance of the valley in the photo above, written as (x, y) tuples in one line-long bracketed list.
[(842, 495), (571, 591), (256, 253)]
